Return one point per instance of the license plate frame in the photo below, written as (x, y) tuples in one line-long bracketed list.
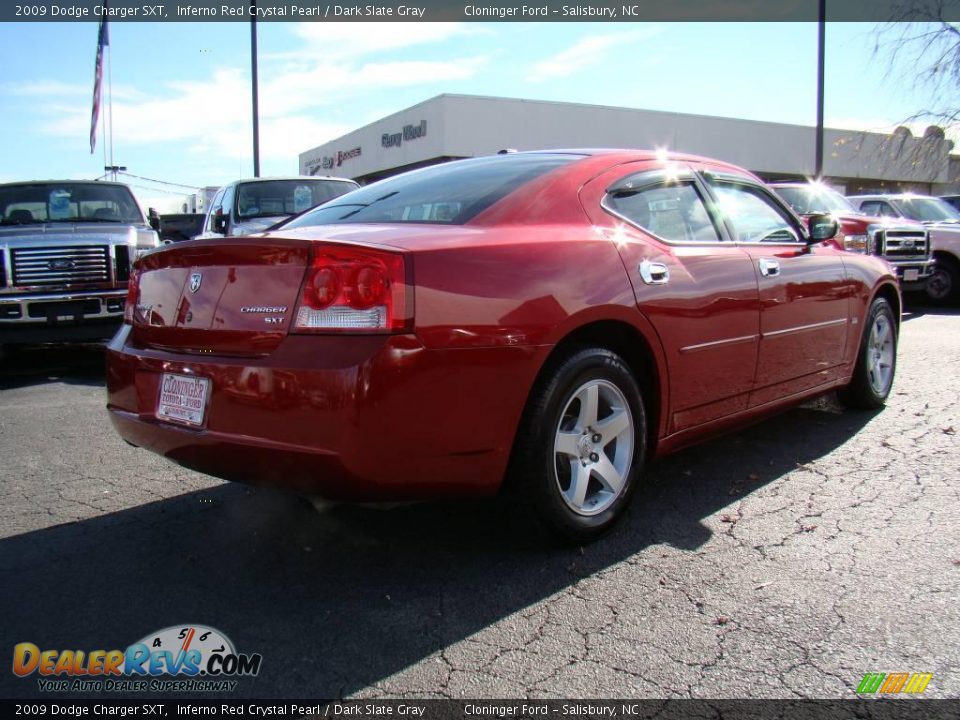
[(183, 399), (911, 274)]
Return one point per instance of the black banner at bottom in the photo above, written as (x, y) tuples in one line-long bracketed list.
[(912, 708)]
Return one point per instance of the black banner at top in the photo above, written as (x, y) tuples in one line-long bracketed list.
[(480, 10), (505, 709)]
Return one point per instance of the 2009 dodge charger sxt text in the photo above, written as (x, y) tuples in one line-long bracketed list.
[(557, 318)]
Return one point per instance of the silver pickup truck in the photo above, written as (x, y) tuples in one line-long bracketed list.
[(66, 248)]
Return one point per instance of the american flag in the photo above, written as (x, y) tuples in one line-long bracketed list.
[(102, 42)]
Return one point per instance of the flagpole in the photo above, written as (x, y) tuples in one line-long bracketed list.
[(110, 103), (103, 132)]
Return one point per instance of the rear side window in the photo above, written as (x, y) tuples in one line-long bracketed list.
[(448, 194), (877, 209), (674, 212)]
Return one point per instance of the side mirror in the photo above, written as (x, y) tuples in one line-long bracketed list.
[(220, 222), (821, 226), (153, 218)]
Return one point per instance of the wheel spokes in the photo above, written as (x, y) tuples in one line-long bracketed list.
[(589, 398), (567, 443), (612, 426), (593, 447), (579, 483), (608, 474)]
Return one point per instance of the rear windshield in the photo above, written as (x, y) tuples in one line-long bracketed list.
[(32, 203), (270, 198), (448, 194)]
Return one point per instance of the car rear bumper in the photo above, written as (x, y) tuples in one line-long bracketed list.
[(376, 418)]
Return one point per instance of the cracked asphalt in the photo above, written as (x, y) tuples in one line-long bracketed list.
[(784, 561)]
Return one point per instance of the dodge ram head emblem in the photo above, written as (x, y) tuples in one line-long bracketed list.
[(195, 280)]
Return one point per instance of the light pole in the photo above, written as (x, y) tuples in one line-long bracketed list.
[(256, 103), (821, 37)]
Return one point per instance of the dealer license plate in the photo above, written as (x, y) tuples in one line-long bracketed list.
[(910, 275), (183, 399)]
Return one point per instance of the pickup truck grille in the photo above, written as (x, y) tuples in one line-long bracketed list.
[(904, 244), (72, 265)]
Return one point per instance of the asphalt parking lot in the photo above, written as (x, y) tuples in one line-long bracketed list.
[(784, 561)]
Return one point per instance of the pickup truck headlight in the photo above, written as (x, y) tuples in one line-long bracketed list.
[(855, 243)]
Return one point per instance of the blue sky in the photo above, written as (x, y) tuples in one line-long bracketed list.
[(181, 98)]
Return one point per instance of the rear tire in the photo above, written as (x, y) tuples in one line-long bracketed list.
[(943, 287), (582, 443), (876, 360)]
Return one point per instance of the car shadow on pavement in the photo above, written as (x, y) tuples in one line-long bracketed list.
[(338, 599), (915, 311), (37, 365)]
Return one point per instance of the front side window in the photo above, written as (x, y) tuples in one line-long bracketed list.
[(217, 204), (674, 212), (753, 216)]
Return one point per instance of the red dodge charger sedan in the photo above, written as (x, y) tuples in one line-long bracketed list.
[(552, 318)]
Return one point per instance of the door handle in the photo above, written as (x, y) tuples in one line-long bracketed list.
[(654, 273), (768, 267)]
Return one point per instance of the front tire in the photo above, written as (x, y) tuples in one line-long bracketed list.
[(876, 360), (943, 287), (583, 443)]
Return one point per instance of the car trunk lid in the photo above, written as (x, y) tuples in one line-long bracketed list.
[(226, 297)]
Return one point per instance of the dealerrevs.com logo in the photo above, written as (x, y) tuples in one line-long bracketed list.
[(182, 658)]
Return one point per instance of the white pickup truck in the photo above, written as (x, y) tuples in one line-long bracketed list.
[(66, 248)]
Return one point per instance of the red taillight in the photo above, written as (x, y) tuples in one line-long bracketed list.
[(321, 290), (353, 289), (133, 295)]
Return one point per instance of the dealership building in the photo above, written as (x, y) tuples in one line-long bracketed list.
[(450, 127)]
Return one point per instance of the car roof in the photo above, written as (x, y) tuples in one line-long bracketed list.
[(64, 182), (290, 177), (889, 196)]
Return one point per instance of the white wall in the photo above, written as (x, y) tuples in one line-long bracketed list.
[(463, 125)]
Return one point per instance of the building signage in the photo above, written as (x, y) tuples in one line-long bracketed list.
[(344, 155), (409, 132), (324, 163)]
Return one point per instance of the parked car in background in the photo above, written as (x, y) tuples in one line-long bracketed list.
[(952, 200), (180, 226), (245, 207), (903, 243), (66, 247), (552, 320), (942, 221)]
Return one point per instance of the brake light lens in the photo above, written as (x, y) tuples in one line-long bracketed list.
[(133, 295), (352, 289)]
